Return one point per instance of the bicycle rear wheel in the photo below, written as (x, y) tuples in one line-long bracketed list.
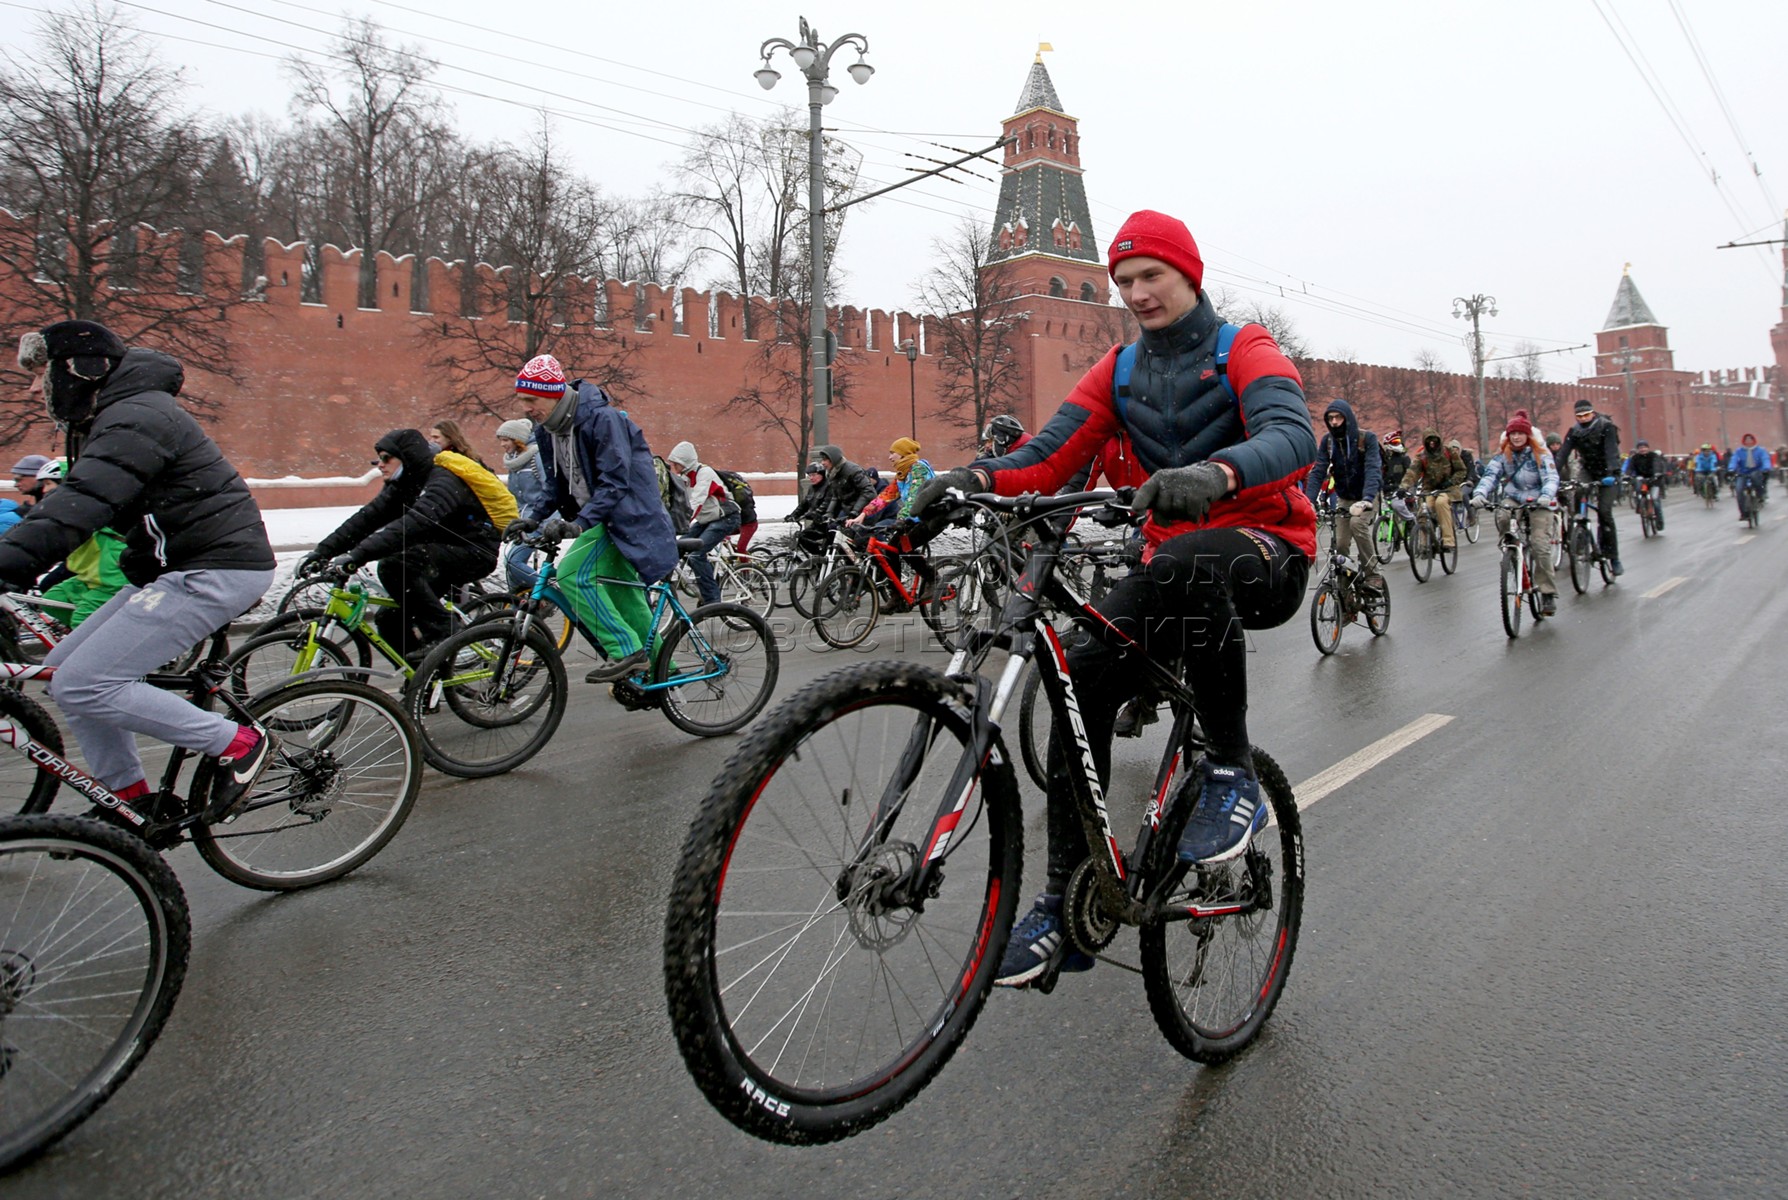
[(485, 702), (1375, 606), (845, 606), (750, 587), (1511, 593), (269, 659), (1474, 524), (730, 662), (24, 788), (343, 779), (1213, 981), (94, 939), (809, 999)]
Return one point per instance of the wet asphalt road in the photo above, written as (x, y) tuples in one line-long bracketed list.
[(1542, 952)]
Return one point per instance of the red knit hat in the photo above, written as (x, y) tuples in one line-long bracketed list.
[(543, 376), (1519, 423), (1158, 235)]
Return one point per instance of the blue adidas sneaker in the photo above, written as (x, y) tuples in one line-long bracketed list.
[(1036, 942), (1228, 815)]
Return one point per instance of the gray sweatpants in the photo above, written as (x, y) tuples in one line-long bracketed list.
[(100, 667)]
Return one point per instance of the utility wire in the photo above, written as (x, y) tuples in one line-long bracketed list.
[(1713, 84)]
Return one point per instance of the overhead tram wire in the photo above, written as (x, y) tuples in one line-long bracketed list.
[(1636, 56), (1719, 93), (454, 89)]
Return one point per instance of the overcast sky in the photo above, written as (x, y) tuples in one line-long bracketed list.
[(1371, 160)]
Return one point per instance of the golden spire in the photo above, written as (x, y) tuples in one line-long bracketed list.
[(1627, 269), (1041, 47)]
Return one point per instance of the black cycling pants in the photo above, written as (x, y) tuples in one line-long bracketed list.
[(1607, 500), (1189, 604), (412, 576)]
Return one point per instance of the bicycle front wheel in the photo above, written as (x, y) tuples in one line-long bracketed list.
[(1473, 524), (485, 702), (727, 661), (94, 939), (24, 788), (1325, 618), (1421, 550), (1511, 593), (845, 606), (1034, 722), (343, 779), (1212, 981), (1448, 555), (751, 587), (1385, 536), (269, 659), (811, 997)]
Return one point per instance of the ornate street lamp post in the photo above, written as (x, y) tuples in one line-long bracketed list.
[(911, 349), (814, 58)]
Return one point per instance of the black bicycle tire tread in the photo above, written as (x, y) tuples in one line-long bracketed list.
[(176, 952), (1152, 938), (667, 649), (206, 845), (444, 651), (699, 860), (36, 721), (869, 596)]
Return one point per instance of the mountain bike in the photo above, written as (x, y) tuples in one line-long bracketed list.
[(1651, 511), (344, 776), (1515, 580), (94, 940), (1425, 543), (1583, 542), (845, 892), (857, 586), (488, 698), (1342, 596), (312, 592)]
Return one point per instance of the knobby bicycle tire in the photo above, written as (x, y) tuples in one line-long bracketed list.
[(717, 636), (94, 941), (783, 1071), (483, 703), (27, 787), (1266, 933), (341, 783), (845, 606)]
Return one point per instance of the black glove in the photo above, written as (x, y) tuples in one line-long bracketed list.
[(342, 566), (1183, 493), (519, 528), (311, 564), (961, 479), (558, 529)]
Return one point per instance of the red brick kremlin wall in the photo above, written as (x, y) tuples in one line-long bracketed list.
[(319, 383)]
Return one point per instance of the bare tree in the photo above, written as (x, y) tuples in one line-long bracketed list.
[(1402, 396), (1239, 310), (1437, 400), (387, 142), (553, 231), (976, 305), (92, 148), (1341, 377)]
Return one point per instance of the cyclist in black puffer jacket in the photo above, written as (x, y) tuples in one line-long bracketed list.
[(195, 555), (425, 527)]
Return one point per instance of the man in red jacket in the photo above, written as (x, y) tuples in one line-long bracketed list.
[(1230, 537)]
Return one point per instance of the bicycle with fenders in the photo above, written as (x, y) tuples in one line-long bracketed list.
[(846, 890), (1342, 596), (344, 774), (490, 697), (1515, 581), (94, 940)]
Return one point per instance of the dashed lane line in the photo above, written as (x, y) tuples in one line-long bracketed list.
[(1746, 540), (1358, 763), (1673, 581)]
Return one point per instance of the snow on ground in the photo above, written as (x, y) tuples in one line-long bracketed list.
[(302, 528)]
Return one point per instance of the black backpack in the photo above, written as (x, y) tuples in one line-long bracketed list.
[(743, 496)]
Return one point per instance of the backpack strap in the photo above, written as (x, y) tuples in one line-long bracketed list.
[(1126, 365)]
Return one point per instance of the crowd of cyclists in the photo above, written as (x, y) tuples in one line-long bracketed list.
[(154, 538)]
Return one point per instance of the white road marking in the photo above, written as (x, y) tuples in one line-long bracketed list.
[(1746, 540), (1673, 581), (1361, 761)]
